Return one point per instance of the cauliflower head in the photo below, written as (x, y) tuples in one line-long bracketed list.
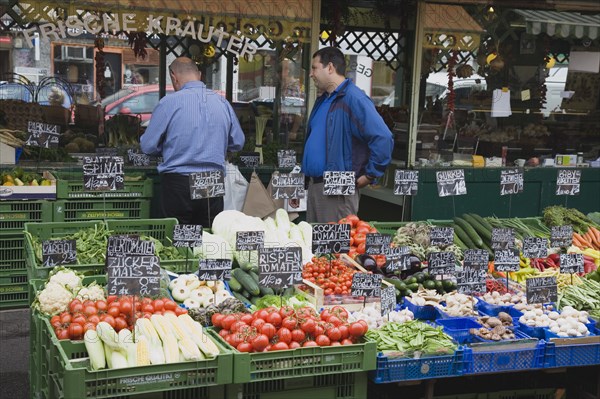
[(93, 292), (54, 299), (67, 278)]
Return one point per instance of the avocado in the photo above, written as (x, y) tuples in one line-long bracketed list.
[(429, 284), (413, 286), (438, 285), (401, 286), (411, 280)]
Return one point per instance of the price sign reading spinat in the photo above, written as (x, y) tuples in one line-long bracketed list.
[(58, 252), (339, 183), (280, 267), (207, 184), (103, 173)]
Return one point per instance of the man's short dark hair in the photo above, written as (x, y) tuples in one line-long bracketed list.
[(333, 55)]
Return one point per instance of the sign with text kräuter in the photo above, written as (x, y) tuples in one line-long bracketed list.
[(209, 184), (339, 183), (451, 182)]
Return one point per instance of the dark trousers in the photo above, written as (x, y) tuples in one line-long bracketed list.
[(177, 203)]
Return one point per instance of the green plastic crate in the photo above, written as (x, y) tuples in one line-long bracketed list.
[(14, 296), (70, 186), (8, 280), (77, 210), (549, 393), (301, 362), (326, 386), (388, 227), (12, 254), (14, 215)]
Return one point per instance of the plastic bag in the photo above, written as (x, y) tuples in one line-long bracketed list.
[(236, 187)]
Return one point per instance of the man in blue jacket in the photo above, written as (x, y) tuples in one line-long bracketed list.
[(345, 133)]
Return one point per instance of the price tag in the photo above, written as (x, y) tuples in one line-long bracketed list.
[(339, 183), (250, 159), (476, 257), (58, 252), (541, 290), (511, 181), (43, 135), (207, 184), (441, 263), (288, 185), (471, 280), (507, 260), (249, 240), (214, 269), (286, 158), (561, 236), (441, 236), (280, 267), (187, 235), (534, 247), (138, 159), (568, 182), (366, 284), (120, 245), (397, 258), (376, 243), (451, 182), (103, 173), (503, 238), (388, 300), (133, 275), (406, 182), (571, 263), (330, 238)]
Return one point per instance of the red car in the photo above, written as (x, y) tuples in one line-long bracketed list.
[(133, 100)]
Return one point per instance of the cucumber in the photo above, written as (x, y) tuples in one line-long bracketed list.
[(482, 221), (458, 242), (234, 284), (246, 294), (289, 291), (266, 291), (246, 266), (254, 275), (464, 237), (254, 300), (246, 281), (469, 230), (241, 298), (484, 233), (398, 284)]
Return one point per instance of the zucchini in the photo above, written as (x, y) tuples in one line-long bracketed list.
[(464, 237), (266, 291), (482, 221), (234, 284), (241, 298), (246, 281), (254, 300), (458, 242), (475, 238), (484, 233)]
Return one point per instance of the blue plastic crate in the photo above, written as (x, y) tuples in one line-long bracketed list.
[(548, 335), (458, 328), (491, 310), (441, 314), (571, 355), (502, 357), (402, 369), (534, 332), (518, 335), (427, 312)]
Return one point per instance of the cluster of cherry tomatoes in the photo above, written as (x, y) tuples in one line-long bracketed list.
[(273, 329), (358, 237), (119, 312), (332, 275)]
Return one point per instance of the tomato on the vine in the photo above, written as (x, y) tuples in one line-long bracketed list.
[(260, 342), (269, 330), (284, 335), (322, 340)]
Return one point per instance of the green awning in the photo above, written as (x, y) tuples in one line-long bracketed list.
[(561, 24)]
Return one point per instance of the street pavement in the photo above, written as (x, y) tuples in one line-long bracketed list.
[(14, 354)]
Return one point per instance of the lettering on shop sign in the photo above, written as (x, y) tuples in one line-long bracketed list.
[(249, 240), (503, 238), (58, 252), (406, 182), (103, 173), (388, 300), (288, 185), (376, 243), (397, 258), (214, 269), (441, 236), (138, 159), (209, 184), (361, 69), (339, 183), (250, 159), (43, 135), (511, 181), (507, 260), (568, 182), (280, 267), (451, 182), (441, 263), (330, 238), (541, 289), (561, 236), (471, 280), (366, 285), (132, 267), (535, 247), (286, 158), (571, 263), (476, 257), (187, 235)]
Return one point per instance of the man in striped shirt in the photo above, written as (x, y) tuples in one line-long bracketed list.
[(193, 129)]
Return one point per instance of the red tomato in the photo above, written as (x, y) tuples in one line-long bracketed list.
[(158, 305), (88, 302), (309, 326), (111, 299), (359, 238), (75, 306), (319, 329), (170, 305), (90, 310), (55, 321), (294, 345), (216, 319), (286, 311), (236, 339), (101, 306), (62, 333), (79, 319), (148, 308), (347, 342), (340, 312), (227, 321), (244, 347), (335, 343), (260, 342), (275, 319), (364, 324), (262, 314), (361, 249), (126, 307), (114, 310), (326, 313), (362, 230), (344, 331), (322, 340), (236, 325), (94, 319), (120, 323), (353, 219), (298, 335), (279, 346), (224, 333), (89, 326), (75, 331), (269, 330), (247, 318), (258, 323), (309, 343), (334, 334), (110, 320), (335, 320), (179, 310), (289, 323), (285, 335), (356, 329)]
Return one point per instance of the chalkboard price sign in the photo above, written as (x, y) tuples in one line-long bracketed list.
[(58, 252), (133, 275), (476, 257), (207, 184), (137, 158), (561, 236), (535, 247), (511, 181), (103, 173), (397, 258), (43, 135), (541, 289), (441, 263), (571, 263), (388, 300), (330, 238), (280, 267), (568, 182), (367, 285), (503, 238), (339, 183), (214, 269), (441, 236), (376, 243), (288, 185), (249, 240), (451, 182), (507, 260), (120, 245), (286, 158), (471, 280), (406, 182), (250, 159), (187, 235)]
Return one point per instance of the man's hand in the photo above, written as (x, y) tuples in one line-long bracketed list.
[(363, 181)]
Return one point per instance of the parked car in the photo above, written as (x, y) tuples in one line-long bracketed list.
[(133, 100)]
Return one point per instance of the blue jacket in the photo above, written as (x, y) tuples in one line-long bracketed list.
[(357, 138)]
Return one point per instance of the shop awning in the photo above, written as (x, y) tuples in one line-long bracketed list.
[(561, 24), (451, 27)]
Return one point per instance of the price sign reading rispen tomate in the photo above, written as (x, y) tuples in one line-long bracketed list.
[(58, 252), (280, 267)]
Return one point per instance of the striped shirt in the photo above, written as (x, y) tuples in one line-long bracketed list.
[(193, 129)]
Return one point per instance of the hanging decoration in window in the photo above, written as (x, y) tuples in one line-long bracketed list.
[(100, 65), (138, 42)]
